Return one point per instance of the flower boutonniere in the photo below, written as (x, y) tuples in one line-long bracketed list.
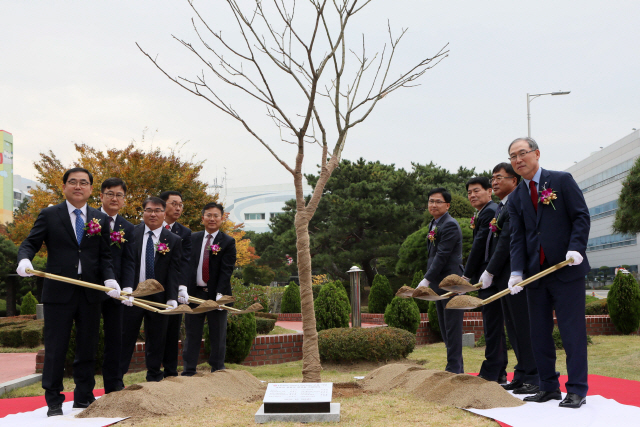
[(493, 226), (289, 260), (547, 196), (117, 237), (432, 234), (472, 223), (162, 248), (214, 249), (93, 227)]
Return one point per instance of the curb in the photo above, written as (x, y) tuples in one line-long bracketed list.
[(20, 382)]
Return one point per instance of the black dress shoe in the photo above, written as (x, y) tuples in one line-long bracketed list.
[(54, 410), (502, 379), (512, 385), (527, 389), (544, 396), (83, 405), (573, 400)]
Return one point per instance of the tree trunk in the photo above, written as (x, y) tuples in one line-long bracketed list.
[(12, 287), (368, 272)]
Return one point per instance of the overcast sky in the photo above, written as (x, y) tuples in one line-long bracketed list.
[(70, 71)]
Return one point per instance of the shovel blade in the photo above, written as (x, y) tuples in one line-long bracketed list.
[(225, 299), (181, 309), (251, 309), (464, 302), (455, 283), (148, 287), (405, 292)]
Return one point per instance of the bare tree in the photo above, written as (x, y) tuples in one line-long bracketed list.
[(313, 56)]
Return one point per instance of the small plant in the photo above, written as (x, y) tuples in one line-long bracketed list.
[(380, 295), (291, 299), (241, 331), (332, 307), (28, 305), (354, 344), (623, 301), (404, 314), (264, 326)]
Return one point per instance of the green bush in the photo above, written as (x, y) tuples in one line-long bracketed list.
[(346, 285), (12, 336), (434, 325), (28, 305), (332, 307), (21, 331), (403, 313), (247, 295), (598, 307), (380, 295), (267, 315), (354, 344), (71, 351), (33, 335), (241, 331), (264, 326), (423, 305), (624, 303), (275, 294), (291, 299), (316, 290), (557, 338), (396, 282)]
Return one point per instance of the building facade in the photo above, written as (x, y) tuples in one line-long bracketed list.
[(600, 178), (6, 177)]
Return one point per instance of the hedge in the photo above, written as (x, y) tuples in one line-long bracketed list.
[(21, 331), (599, 307), (264, 326), (267, 315), (355, 344)]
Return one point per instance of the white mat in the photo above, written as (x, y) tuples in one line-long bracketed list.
[(598, 411), (38, 418)]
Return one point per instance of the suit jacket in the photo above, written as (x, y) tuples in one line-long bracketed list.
[(166, 266), (476, 261), (445, 253), (123, 258), (220, 265), (499, 247), (185, 235), (53, 228), (559, 228)]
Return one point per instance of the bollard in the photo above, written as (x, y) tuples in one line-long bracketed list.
[(468, 340), (39, 311), (354, 277)]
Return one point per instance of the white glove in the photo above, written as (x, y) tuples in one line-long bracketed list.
[(218, 296), (110, 283), (423, 282), (127, 290), (172, 303), (183, 296), (486, 279), (577, 258), (128, 302), (513, 282), (22, 268)]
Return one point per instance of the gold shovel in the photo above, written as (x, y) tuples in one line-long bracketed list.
[(107, 289), (466, 302), (427, 294)]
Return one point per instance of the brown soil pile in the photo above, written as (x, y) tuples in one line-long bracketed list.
[(426, 294), (445, 388), (176, 394), (208, 305), (148, 287), (455, 283), (181, 308), (405, 292), (463, 302)]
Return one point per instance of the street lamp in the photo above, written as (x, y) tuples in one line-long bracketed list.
[(531, 97), (354, 276)]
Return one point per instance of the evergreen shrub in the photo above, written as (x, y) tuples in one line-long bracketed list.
[(264, 326), (403, 313), (241, 331), (355, 344), (380, 295), (332, 307), (623, 301), (291, 299), (28, 305)]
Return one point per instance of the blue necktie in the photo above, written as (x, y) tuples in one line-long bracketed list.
[(79, 225), (149, 258)]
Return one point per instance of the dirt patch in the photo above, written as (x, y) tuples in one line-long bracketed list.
[(365, 365), (175, 394), (348, 390), (445, 388)]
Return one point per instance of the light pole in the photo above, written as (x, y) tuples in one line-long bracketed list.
[(531, 97)]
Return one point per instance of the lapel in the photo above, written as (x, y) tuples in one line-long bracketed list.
[(90, 216), (197, 243), (66, 221), (545, 182), (527, 206)]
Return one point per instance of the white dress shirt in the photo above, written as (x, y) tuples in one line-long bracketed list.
[(112, 223), (72, 216), (164, 225), (213, 235), (156, 238)]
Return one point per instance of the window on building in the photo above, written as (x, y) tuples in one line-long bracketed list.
[(603, 210), (253, 216), (611, 241), (17, 196), (605, 177), (275, 214)]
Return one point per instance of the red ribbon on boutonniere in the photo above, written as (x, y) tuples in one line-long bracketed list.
[(214, 249), (162, 248), (117, 237), (93, 228)]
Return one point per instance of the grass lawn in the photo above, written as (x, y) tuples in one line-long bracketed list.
[(21, 349), (279, 330), (614, 356)]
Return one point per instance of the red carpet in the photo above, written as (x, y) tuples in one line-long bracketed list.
[(28, 404)]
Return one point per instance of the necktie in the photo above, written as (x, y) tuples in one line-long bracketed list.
[(205, 260), (111, 223), (534, 200), (149, 258), (168, 227), (79, 225)]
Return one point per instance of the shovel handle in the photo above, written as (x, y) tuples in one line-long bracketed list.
[(529, 280), (449, 294)]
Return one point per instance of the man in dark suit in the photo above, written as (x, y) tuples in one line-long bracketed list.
[(78, 250), (494, 366), (173, 199), (112, 195), (550, 223), (514, 310), (210, 272), (445, 258), (158, 256)]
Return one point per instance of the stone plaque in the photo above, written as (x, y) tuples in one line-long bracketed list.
[(297, 398)]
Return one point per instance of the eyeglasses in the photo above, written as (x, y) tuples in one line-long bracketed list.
[(176, 204), (111, 195), (209, 216), (436, 202), (153, 211), (520, 155), (75, 182), (499, 178)]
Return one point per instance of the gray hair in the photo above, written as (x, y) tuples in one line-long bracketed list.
[(533, 145)]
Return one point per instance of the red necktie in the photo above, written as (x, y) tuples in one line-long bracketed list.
[(534, 200), (168, 227), (205, 260)]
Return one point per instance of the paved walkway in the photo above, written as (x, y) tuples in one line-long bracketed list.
[(297, 326), (16, 365), (598, 294)]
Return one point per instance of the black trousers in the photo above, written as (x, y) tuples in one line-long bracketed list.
[(112, 312), (170, 358), (194, 325), (451, 330), (495, 353), (516, 318), (58, 321), (155, 332), (567, 299)]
